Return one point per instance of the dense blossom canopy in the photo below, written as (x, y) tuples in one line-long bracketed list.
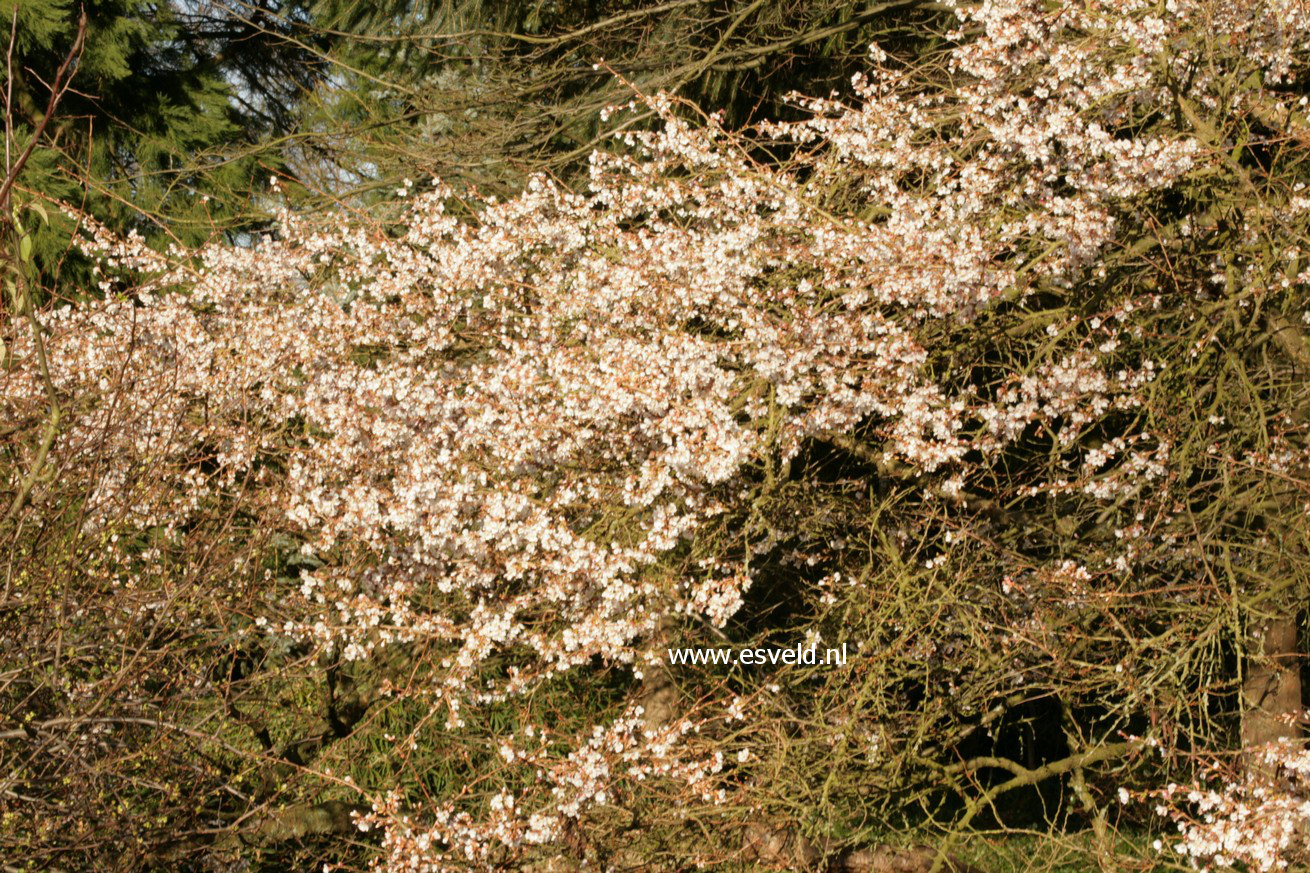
[(527, 435)]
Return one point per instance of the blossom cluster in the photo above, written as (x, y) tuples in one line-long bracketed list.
[(1255, 820), (599, 770)]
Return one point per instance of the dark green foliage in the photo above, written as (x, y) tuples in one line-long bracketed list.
[(166, 129), (483, 92)]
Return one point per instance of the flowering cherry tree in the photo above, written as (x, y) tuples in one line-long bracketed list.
[(495, 449)]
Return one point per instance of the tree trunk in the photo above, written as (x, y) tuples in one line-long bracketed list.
[(1271, 689)]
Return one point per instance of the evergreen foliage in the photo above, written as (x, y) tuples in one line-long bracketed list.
[(167, 131)]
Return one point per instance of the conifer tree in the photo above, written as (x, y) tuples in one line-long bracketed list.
[(166, 129)]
